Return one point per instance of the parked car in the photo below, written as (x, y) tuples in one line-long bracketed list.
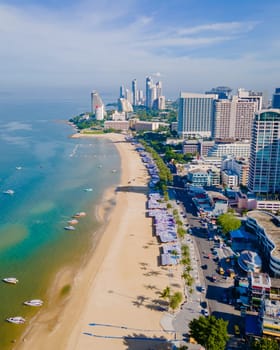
[(205, 313), (236, 329)]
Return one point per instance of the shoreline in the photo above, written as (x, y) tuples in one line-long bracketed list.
[(121, 281)]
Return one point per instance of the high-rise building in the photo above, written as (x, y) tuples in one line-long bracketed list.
[(158, 89), (128, 95), (150, 92), (124, 105), (195, 116), (223, 92), (233, 118), (134, 92), (224, 120), (245, 110), (264, 169), (252, 96), (122, 92), (160, 103), (276, 98), (97, 106)]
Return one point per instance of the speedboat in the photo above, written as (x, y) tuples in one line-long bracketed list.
[(80, 214), (9, 192), (69, 228), (33, 302), (18, 167), (11, 280), (16, 320), (88, 189), (73, 222)]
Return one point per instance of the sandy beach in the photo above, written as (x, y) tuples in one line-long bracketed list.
[(118, 288)]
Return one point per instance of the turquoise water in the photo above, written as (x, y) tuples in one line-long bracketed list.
[(48, 190)]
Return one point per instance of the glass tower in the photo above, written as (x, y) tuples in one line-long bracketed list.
[(264, 170)]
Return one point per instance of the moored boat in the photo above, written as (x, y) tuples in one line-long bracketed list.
[(73, 222), (9, 192), (33, 302), (79, 215), (69, 228), (11, 280), (16, 320)]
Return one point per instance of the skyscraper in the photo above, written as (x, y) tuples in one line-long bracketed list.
[(264, 169), (196, 114), (150, 92), (122, 92), (134, 92), (276, 98), (97, 106), (233, 118), (252, 96), (223, 92)]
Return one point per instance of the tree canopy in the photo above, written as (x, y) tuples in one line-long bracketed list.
[(228, 222), (264, 344), (210, 332)]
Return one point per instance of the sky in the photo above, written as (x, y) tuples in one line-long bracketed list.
[(190, 45)]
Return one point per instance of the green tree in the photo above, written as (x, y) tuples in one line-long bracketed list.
[(165, 294), (210, 332), (228, 222), (264, 344), (175, 300)]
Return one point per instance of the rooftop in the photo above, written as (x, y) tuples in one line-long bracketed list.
[(266, 220)]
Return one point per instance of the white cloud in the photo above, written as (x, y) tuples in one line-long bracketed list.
[(97, 47), (223, 27)]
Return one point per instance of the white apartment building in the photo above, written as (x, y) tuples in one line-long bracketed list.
[(229, 178), (238, 166), (236, 149)]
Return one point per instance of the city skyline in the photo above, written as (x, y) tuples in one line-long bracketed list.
[(189, 45)]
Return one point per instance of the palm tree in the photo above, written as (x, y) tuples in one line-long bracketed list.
[(165, 294)]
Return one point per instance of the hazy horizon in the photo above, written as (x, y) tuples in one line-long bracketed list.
[(69, 48)]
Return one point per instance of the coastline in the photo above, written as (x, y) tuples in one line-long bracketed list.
[(120, 284)]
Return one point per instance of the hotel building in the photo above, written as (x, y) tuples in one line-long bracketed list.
[(97, 106), (195, 116), (233, 118)]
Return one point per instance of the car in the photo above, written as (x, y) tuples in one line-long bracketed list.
[(204, 267), (236, 329), (204, 304), (214, 278), (205, 313)]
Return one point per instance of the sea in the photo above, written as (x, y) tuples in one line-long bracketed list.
[(48, 172)]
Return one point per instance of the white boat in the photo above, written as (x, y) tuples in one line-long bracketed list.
[(69, 228), (80, 214), (33, 302), (88, 189), (73, 222), (9, 192), (16, 320), (11, 280), (114, 171), (18, 167)]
